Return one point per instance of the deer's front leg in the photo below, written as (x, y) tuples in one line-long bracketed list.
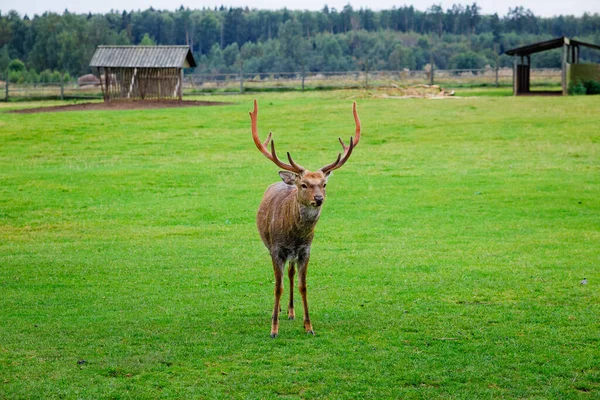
[(302, 269), (278, 266), (291, 272)]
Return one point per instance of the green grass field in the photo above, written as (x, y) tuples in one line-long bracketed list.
[(447, 262)]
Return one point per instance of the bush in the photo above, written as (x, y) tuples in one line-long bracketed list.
[(576, 89), (17, 66), (33, 77), (55, 77), (16, 77), (584, 87), (46, 76), (592, 87), (467, 60)]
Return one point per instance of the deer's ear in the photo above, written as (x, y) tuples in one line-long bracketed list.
[(327, 175), (288, 177)]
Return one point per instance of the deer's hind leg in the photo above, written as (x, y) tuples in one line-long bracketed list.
[(302, 269), (278, 266), (291, 273)]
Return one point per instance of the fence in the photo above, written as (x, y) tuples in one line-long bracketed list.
[(29, 91), (363, 80), (235, 83)]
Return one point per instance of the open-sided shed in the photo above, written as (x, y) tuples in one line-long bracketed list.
[(142, 72), (571, 69)]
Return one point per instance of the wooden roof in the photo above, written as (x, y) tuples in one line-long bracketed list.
[(143, 57), (548, 45)]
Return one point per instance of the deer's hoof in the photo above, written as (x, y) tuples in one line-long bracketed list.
[(311, 332), (291, 317), (273, 335)]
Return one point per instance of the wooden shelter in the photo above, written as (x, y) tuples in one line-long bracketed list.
[(571, 69), (142, 72)]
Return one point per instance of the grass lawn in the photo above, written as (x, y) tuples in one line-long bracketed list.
[(447, 262)]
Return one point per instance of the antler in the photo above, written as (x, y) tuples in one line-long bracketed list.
[(341, 160), (292, 166)]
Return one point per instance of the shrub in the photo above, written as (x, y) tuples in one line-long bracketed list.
[(16, 66), (33, 77), (584, 87), (592, 87), (467, 60), (55, 77), (46, 76), (16, 76), (577, 88)]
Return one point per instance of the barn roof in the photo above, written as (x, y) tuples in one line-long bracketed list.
[(143, 57), (548, 45)]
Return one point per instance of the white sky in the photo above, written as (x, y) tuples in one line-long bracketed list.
[(542, 8)]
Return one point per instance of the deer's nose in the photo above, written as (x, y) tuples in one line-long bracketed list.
[(319, 200)]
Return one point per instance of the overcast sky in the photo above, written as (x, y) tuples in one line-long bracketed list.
[(543, 8)]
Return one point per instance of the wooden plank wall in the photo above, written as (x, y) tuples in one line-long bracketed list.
[(141, 83)]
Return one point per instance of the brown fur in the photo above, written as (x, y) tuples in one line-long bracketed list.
[(286, 220)]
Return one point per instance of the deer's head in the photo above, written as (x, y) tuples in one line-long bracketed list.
[(310, 185)]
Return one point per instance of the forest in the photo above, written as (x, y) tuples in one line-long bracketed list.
[(43, 47)]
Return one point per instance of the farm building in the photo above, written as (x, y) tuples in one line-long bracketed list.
[(571, 70), (142, 72)]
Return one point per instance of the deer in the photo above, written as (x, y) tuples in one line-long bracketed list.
[(288, 214)]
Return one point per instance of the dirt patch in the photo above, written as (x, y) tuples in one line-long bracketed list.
[(121, 105), (415, 91)]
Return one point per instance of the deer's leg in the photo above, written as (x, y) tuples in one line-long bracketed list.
[(278, 267), (291, 272), (302, 268)]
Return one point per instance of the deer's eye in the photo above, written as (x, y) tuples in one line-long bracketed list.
[(304, 186), (324, 184)]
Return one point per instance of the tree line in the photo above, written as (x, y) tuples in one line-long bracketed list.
[(227, 40)]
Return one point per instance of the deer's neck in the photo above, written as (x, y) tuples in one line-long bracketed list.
[(308, 215), (305, 217)]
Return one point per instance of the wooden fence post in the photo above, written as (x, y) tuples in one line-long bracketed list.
[(367, 74), (62, 86), (431, 70), (497, 62), (563, 75), (6, 93), (241, 77), (497, 82)]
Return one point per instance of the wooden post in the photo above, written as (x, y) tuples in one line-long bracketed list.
[(106, 93), (6, 93), (241, 77), (367, 74), (497, 58), (303, 78), (528, 75), (158, 74), (497, 82), (431, 61), (565, 52), (181, 84), (515, 67), (62, 86)]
